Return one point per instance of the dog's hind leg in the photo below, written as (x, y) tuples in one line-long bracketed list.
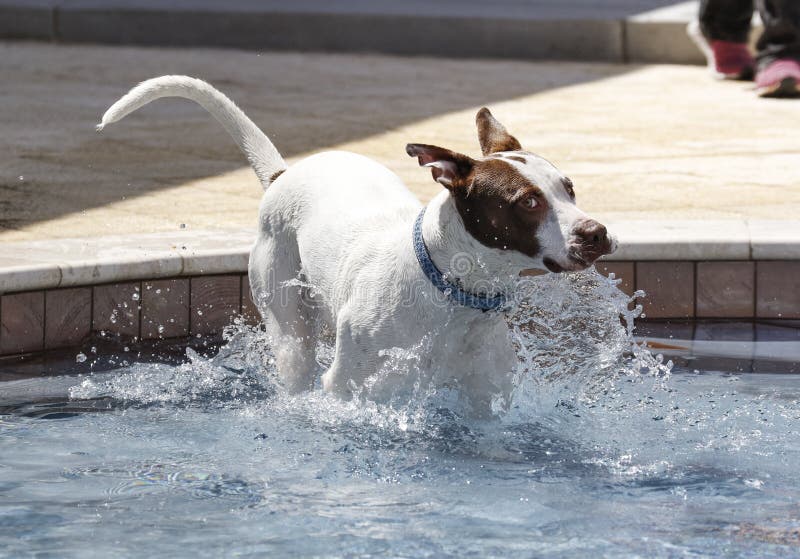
[(352, 362), (289, 319), (334, 380)]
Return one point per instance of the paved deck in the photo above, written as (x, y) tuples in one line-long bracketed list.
[(640, 142)]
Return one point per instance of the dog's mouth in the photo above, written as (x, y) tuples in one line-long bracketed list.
[(575, 263)]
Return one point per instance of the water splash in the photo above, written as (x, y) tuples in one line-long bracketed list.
[(574, 339), (573, 334), (582, 382), (566, 329), (242, 372)]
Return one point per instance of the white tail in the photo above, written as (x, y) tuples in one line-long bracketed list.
[(262, 155)]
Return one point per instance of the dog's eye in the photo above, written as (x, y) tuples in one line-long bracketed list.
[(568, 187), (530, 202)]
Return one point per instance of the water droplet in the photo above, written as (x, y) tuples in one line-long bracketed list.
[(21, 178), (81, 357), (160, 329), (135, 296), (158, 292), (126, 348), (199, 312)]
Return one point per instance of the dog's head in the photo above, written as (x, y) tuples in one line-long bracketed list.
[(511, 199)]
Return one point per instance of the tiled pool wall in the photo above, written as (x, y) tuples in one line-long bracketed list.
[(150, 309), (43, 320), (733, 289)]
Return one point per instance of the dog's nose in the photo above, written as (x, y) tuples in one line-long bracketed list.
[(593, 238)]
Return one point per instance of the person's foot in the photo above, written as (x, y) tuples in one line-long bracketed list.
[(732, 61), (726, 60), (780, 78)]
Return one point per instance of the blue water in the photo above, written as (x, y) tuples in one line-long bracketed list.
[(605, 451)]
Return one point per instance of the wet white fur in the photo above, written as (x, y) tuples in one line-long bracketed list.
[(334, 247)]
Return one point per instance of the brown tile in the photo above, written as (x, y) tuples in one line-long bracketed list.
[(778, 289), (22, 322), (621, 270), (68, 316), (669, 287), (725, 289), (165, 309), (249, 310), (216, 301), (116, 309)]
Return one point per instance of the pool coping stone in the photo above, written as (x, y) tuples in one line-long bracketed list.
[(58, 263)]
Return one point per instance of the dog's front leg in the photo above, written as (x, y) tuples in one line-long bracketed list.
[(488, 365)]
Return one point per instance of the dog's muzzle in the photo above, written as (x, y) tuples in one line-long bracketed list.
[(591, 242)]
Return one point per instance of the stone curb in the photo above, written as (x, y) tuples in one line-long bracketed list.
[(58, 263), (409, 28)]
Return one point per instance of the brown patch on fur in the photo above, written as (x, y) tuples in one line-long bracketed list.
[(275, 175), (493, 136), (490, 197), (516, 158), (491, 205), (427, 154)]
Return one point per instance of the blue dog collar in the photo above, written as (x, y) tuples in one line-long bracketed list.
[(455, 293)]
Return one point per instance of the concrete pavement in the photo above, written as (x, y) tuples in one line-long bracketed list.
[(640, 142)]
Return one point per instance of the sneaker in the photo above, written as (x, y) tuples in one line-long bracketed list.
[(726, 60), (780, 78)]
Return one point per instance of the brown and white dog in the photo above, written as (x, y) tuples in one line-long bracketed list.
[(343, 243)]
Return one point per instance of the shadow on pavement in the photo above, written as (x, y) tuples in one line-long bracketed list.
[(54, 95)]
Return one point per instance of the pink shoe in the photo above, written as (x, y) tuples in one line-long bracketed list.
[(732, 61), (780, 78), (726, 60)]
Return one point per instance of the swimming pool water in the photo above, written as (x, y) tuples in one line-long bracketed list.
[(603, 452)]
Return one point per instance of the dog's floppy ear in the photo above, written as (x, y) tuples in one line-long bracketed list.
[(448, 167), (493, 136)]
